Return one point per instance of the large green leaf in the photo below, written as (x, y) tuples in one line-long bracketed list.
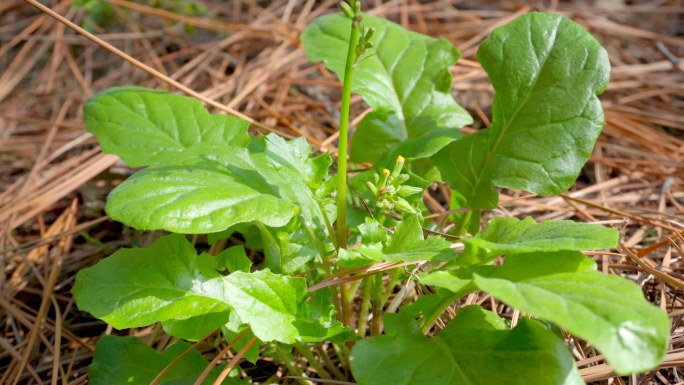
[(139, 124), (547, 71), (211, 186), (202, 198), (127, 360), (138, 287), (474, 348), (406, 79), (168, 282), (564, 287), (510, 235)]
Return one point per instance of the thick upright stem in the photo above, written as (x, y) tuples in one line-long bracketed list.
[(342, 147)]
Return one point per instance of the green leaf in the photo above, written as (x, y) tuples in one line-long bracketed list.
[(268, 303), (289, 248), (510, 235), (234, 259), (352, 259), (547, 71), (196, 327), (138, 287), (233, 329), (425, 305), (168, 282), (127, 360), (458, 280), (317, 320), (407, 244), (275, 307), (473, 343), (139, 124), (295, 155), (371, 231), (406, 79), (211, 187), (381, 138), (202, 198), (564, 287)]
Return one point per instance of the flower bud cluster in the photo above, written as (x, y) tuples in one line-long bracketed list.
[(389, 190), (353, 12), (365, 42)]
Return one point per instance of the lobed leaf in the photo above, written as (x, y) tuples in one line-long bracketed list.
[(473, 343), (547, 71), (138, 287), (167, 282), (405, 78)]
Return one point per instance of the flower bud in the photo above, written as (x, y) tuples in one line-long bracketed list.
[(398, 166), (405, 191), (346, 9), (372, 187), (368, 34), (403, 206), (383, 178)]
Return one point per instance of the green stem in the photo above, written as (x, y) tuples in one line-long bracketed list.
[(304, 351), (342, 147), (365, 304), (376, 322)]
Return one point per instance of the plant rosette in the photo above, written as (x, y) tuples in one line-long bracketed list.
[(203, 174)]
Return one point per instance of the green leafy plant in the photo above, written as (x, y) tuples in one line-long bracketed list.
[(205, 175)]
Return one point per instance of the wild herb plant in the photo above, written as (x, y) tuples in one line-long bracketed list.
[(327, 241)]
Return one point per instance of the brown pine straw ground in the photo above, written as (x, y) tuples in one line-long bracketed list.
[(244, 55)]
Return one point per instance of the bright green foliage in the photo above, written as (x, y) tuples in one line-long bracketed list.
[(204, 197), (138, 287), (234, 259), (207, 176), (565, 288), (138, 124), (211, 186), (196, 327), (127, 360), (406, 244), (406, 80), (167, 281), (474, 348), (546, 71), (510, 235), (233, 329), (289, 248)]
